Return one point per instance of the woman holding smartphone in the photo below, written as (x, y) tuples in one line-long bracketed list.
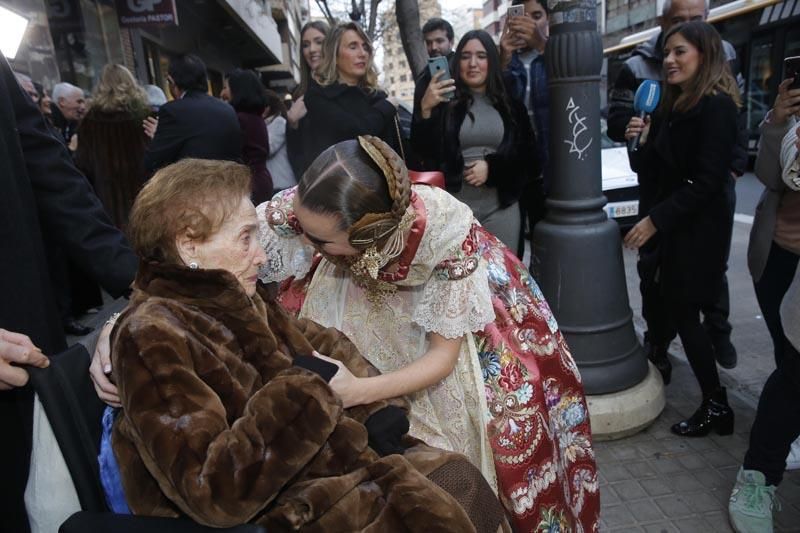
[(481, 138), (686, 156)]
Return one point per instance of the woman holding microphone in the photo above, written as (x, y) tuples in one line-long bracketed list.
[(685, 155)]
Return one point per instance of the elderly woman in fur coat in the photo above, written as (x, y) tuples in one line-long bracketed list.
[(226, 414)]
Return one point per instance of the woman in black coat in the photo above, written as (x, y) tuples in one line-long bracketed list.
[(481, 139), (686, 161), (346, 102)]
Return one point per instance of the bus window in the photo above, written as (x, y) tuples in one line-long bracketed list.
[(759, 79)]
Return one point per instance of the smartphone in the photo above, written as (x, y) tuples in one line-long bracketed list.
[(792, 69), (440, 64), (515, 11)]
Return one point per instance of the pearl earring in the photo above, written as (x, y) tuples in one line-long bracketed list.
[(193, 265)]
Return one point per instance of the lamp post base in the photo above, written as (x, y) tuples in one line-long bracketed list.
[(624, 413)]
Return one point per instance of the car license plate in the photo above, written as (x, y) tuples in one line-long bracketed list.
[(622, 209)]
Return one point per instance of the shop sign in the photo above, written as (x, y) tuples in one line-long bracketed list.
[(142, 13)]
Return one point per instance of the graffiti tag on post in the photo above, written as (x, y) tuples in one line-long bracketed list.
[(578, 129)]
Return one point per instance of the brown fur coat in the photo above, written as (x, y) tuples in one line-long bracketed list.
[(217, 424)]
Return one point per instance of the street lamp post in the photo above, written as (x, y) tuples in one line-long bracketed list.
[(577, 256)]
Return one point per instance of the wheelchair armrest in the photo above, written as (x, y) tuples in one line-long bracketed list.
[(83, 521)]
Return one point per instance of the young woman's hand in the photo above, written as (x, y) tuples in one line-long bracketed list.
[(434, 94), (476, 173), (640, 233), (344, 383), (636, 126)]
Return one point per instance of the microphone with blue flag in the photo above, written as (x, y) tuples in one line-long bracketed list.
[(644, 102)]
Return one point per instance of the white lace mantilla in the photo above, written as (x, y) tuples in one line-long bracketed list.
[(287, 255)]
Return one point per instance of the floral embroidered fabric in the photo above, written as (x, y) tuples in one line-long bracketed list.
[(514, 404), (279, 232)]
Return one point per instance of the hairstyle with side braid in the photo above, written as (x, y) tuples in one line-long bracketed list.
[(368, 197)]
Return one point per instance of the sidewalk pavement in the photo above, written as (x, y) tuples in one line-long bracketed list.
[(657, 482)]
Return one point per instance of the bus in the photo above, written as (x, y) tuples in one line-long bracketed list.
[(763, 32)]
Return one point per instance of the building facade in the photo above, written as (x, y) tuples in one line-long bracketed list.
[(397, 76), (71, 40)]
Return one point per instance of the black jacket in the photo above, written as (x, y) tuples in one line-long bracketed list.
[(197, 125), (684, 167), (43, 193), (511, 167), (340, 112), (646, 63)]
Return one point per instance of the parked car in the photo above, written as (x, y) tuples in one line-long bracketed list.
[(620, 184)]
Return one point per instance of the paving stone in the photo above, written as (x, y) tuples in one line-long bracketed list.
[(656, 487), (718, 520), (788, 519), (684, 483), (674, 506), (693, 525), (719, 458), (661, 527), (625, 453), (629, 490), (640, 470), (711, 479), (615, 473), (608, 497), (667, 465), (645, 511), (704, 502), (693, 461), (616, 516)]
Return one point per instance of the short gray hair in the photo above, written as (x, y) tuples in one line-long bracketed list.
[(23, 78), (63, 90), (668, 5)]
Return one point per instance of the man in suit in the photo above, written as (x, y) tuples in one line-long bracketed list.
[(42, 194), (69, 110), (194, 124)]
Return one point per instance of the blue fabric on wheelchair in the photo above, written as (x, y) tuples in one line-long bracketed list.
[(109, 468)]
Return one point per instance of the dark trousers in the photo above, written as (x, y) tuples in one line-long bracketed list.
[(16, 417), (777, 422), (655, 310), (697, 345), (770, 289)]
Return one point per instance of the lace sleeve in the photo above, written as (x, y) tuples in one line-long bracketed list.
[(279, 234), (457, 299)]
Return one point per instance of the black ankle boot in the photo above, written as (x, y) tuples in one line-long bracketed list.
[(657, 354), (714, 413)]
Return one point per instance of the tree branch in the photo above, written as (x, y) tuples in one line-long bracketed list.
[(407, 13)]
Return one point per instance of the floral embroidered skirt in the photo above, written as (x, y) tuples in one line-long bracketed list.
[(538, 420)]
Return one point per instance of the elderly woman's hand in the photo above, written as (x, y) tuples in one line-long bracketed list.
[(637, 126), (344, 383), (640, 233), (787, 103), (100, 368)]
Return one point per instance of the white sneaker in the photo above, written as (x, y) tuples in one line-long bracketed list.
[(793, 459)]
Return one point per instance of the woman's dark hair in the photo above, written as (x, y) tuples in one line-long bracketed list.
[(275, 103), (188, 72), (495, 89), (343, 181), (248, 95), (713, 74), (305, 70), (437, 23)]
